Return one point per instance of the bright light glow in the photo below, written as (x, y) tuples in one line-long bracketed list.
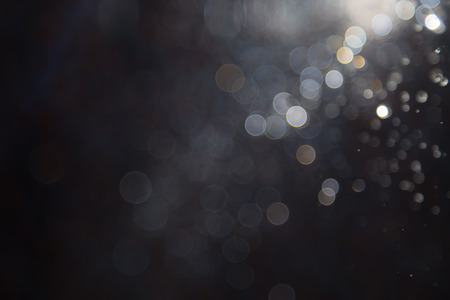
[(432, 22), (355, 37), (405, 10), (381, 24), (344, 55), (296, 116), (334, 79), (255, 125), (383, 111), (361, 12)]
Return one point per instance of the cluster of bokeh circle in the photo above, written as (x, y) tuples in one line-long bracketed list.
[(327, 79)]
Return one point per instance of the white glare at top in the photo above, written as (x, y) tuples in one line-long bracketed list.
[(432, 22), (296, 116), (381, 24), (405, 10), (355, 37), (255, 125), (334, 79), (383, 111)]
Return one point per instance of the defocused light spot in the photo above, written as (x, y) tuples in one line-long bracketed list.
[(313, 74), (359, 61), (240, 276), (214, 198), (332, 110), (309, 88), (358, 185), (334, 79), (332, 184), (344, 55), (383, 111), (375, 124), (436, 75), (435, 210), (152, 214), (406, 185), (277, 213), (282, 291), (334, 42), (420, 15), (368, 93), (326, 196), (381, 24), (416, 166), (430, 3), (235, 249), (306, 154), (355, 37), (135, 187), (255, 125), (297, 58), (230, 78), (418, 197), (249, 215), (130, 258), (405, 10), (276, 127), (219, 224), (282, 102), (421, 96), (319, 55), (296, 116), (432, 22)]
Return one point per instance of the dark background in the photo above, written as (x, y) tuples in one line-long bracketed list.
[(65, 85)]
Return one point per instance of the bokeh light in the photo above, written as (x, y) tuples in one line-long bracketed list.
[(255, 125), (334, 79), (278, 213), (405, 9), (296, 116), (383, 112), (230, 78), (306, 154), (135, 187), (381, 24), (344, 55), (222, 149)]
